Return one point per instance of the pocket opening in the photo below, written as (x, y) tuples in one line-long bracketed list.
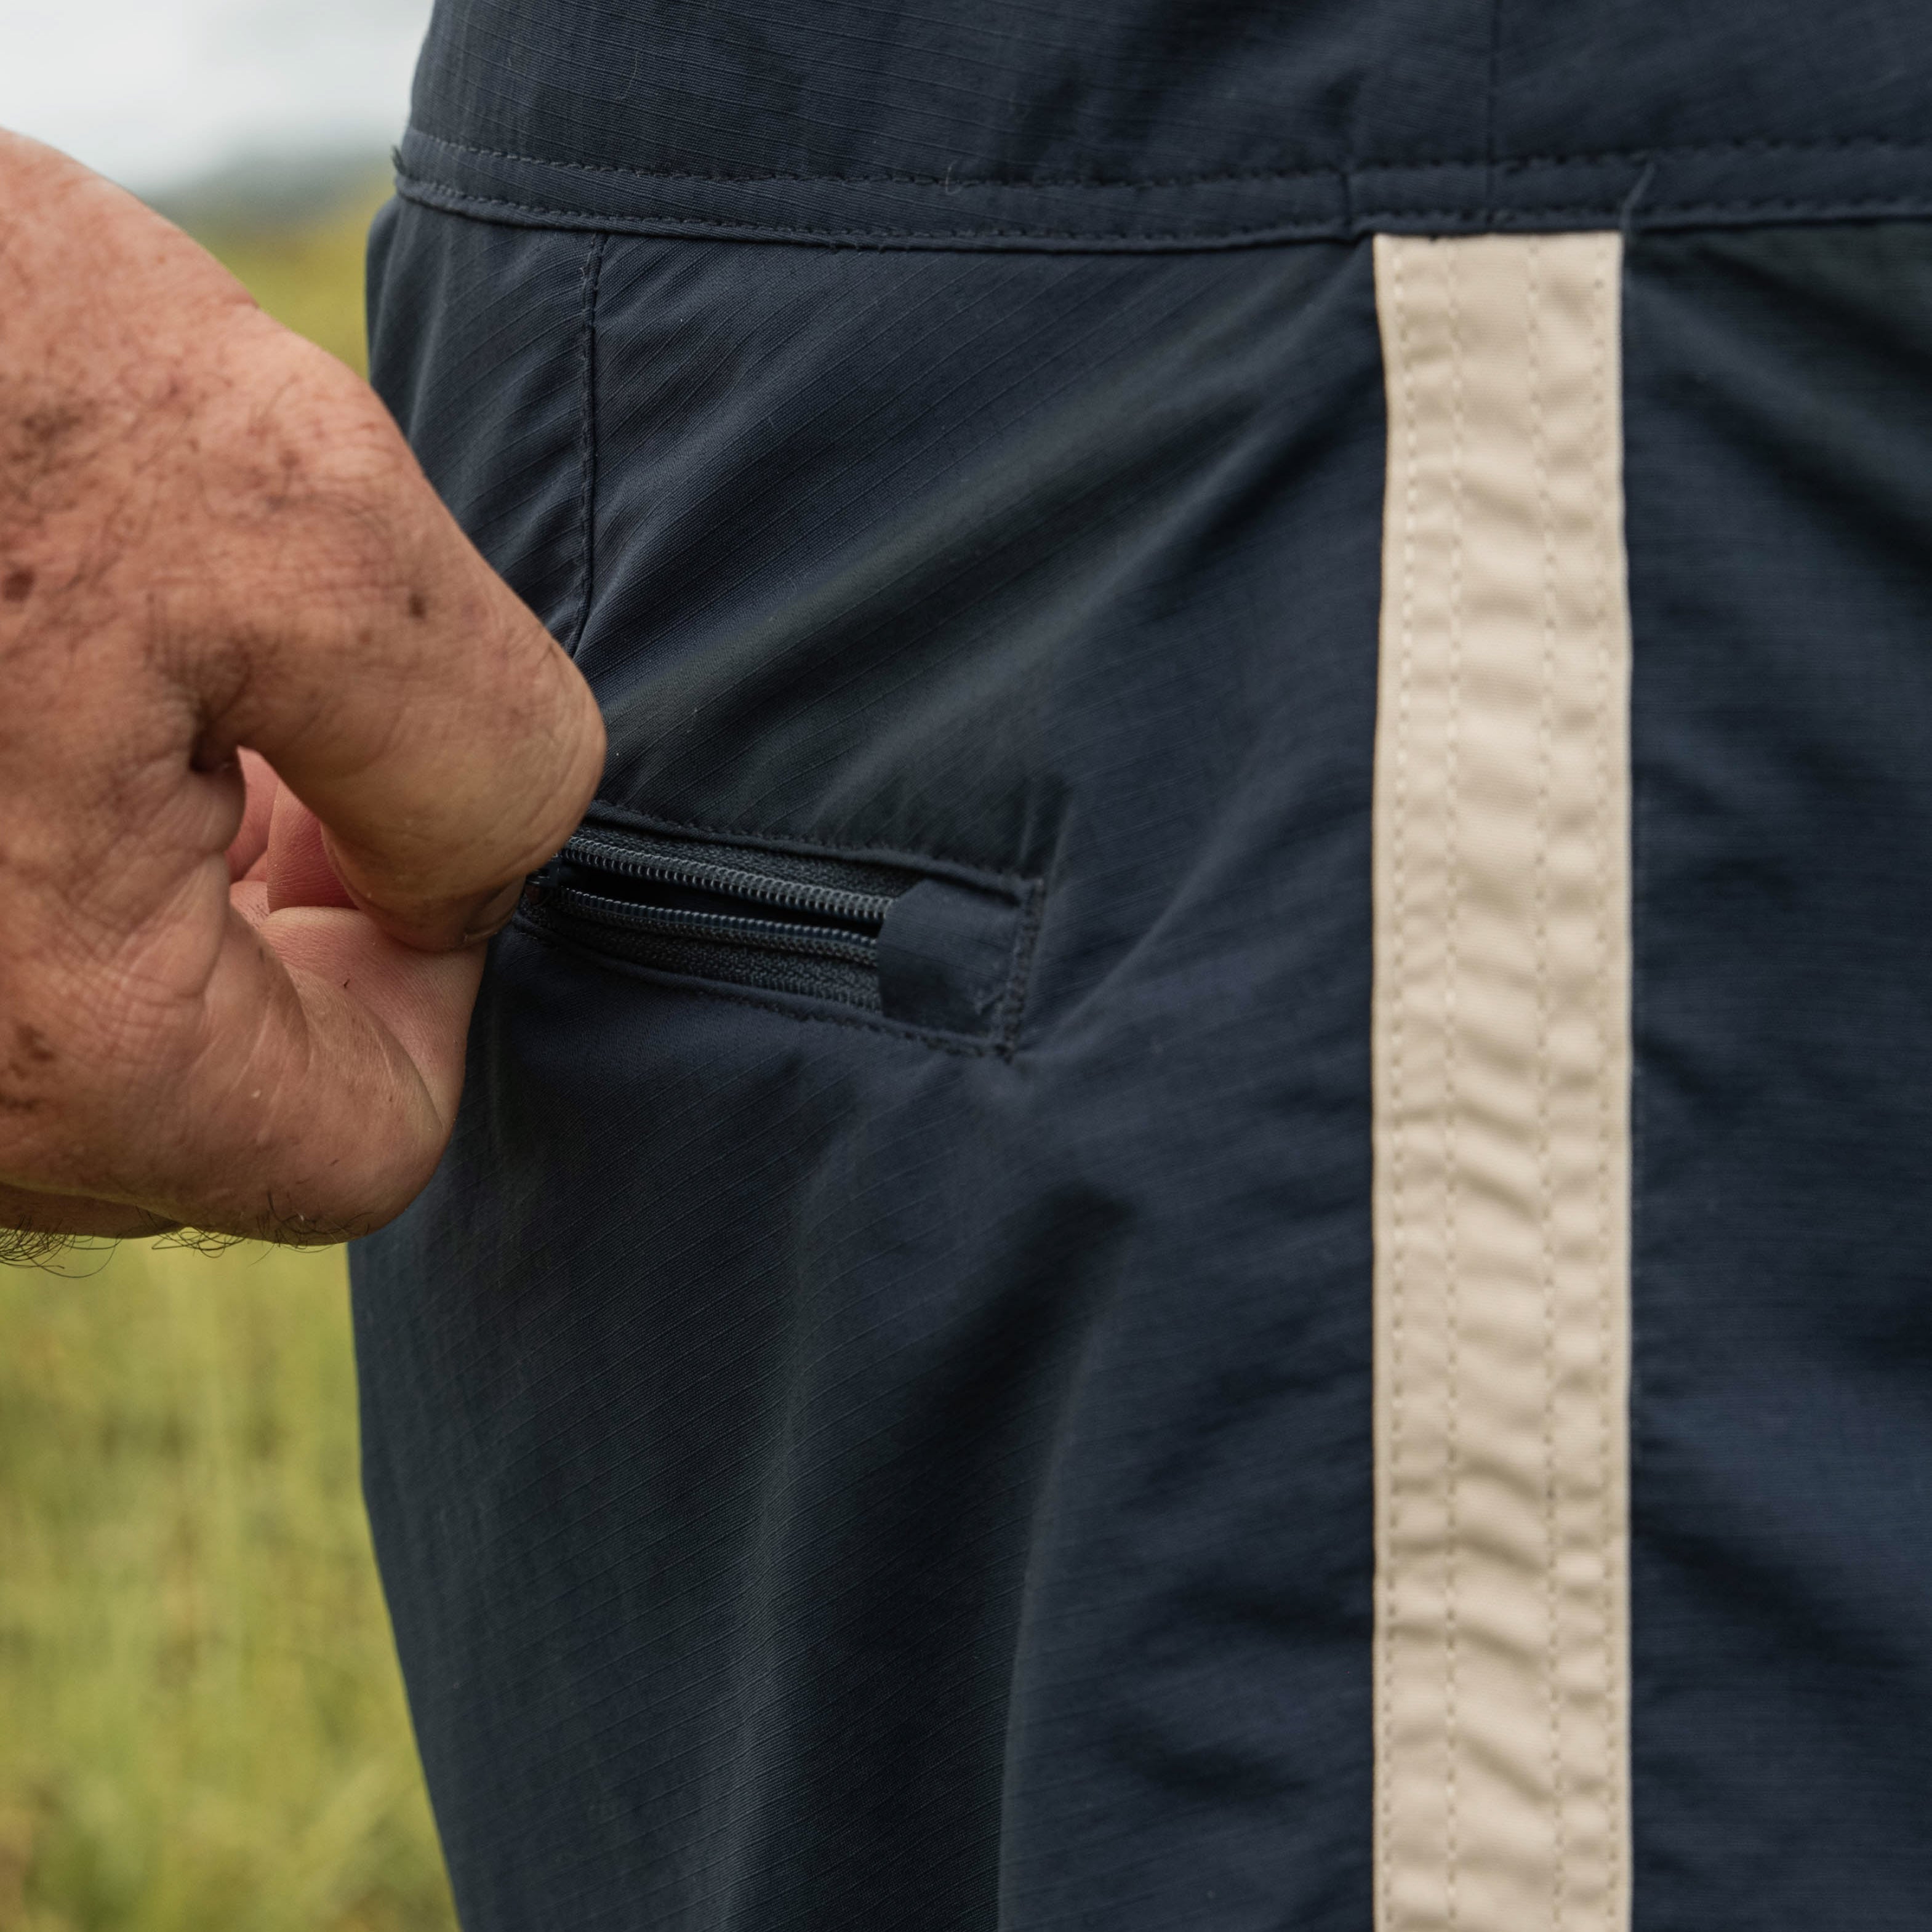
[(927, 951)]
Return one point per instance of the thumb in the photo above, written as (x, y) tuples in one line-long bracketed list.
[(409, 698)]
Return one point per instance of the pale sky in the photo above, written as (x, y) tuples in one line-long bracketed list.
[(155, 91)]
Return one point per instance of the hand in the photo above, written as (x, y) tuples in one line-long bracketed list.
[(212, 537)]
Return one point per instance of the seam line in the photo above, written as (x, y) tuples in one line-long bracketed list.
[(1503, 165), (1398, 1256), (1452, 1116), (1615, 1853), (593, 266), (1363, 221), (1545, 1193)]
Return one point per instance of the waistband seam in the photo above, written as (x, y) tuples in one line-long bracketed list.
[(1502, 165), (1358, 225)]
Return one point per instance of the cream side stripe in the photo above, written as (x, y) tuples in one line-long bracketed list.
[(1501, 1046)]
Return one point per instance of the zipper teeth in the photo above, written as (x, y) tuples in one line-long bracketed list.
[(760, 888), (857, 948)]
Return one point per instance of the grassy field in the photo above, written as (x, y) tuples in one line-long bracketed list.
[(202, 1728)]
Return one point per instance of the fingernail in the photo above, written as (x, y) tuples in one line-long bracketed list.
[(493, 914)]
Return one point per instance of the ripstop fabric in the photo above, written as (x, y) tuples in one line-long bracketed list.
[(836, 1474)]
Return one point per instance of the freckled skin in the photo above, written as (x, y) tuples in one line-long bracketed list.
[(30, 1043), (276, 744)]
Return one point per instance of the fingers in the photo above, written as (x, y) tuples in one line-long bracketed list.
[(410, 701), (336, 1111), (298, 870), (310, 1100), (183, 479), (222, 1004), (404, 1000)]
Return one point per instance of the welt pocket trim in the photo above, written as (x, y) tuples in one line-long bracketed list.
[(805, 1013), (911, 858), (916, 946)]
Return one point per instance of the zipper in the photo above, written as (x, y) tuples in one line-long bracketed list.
[(864, 911), (925, 948), (861, 949), (783, 922)]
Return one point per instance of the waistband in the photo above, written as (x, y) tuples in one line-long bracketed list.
[(1133, 124)]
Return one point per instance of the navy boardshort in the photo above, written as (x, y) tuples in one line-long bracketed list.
[(1204, 1203)]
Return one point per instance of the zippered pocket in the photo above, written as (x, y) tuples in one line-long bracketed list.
[(941, 952)]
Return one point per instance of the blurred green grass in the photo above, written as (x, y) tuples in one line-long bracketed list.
[(202, 1726)]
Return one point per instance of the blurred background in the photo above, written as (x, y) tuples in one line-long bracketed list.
[(263, 127), (201, 1728)]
